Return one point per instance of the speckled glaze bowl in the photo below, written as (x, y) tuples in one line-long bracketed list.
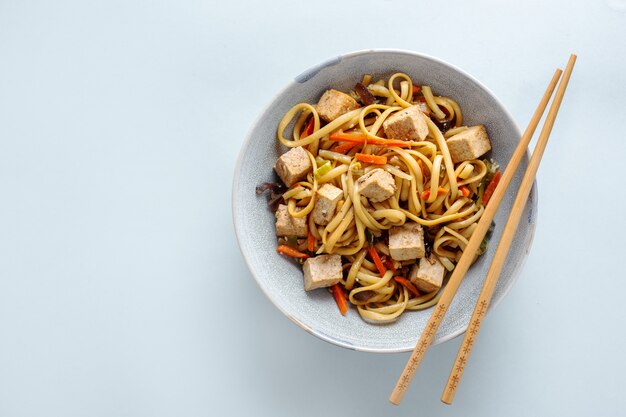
[(281, 279)]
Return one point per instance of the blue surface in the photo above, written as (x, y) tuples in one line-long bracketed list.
[(122, 290)]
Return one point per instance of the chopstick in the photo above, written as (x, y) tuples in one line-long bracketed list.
[(505, 242), (470, 250)]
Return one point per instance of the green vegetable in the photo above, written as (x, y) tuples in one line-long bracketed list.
[(483, 245), (323, 169)]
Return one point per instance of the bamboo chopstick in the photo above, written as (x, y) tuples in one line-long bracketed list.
[(468, 254), (505, 242)]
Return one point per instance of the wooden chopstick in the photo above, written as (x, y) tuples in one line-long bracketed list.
[(505, 242), (470, 250)]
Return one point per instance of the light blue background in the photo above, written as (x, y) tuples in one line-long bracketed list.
[(122, 290)]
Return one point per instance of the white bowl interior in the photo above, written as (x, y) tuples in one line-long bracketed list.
[(281, 279)]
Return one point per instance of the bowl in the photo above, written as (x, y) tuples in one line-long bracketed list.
[(281, 279)]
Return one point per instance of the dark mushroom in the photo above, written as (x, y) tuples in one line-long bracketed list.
[(364, 94)]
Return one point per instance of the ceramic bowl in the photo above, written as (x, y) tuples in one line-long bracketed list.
[(281, 279)]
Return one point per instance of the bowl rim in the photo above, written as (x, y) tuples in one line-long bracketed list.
[(305, 75)]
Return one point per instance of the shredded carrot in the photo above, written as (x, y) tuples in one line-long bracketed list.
[(371, 159), (309, 128), (344, 147), (408, 285), (426, 193), (340, 299), (464, 191), (310, 242), (289, 251), (389, 264), (491, 187), (420, 164), (358, 138), (377, 261)]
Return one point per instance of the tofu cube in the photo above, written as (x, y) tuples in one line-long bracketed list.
[(406, 242), (469, 144), (406, 124), (334, 103), (292, 166), (322, 271), (428, 274), (325, 204), (377, 185), (286, 225)]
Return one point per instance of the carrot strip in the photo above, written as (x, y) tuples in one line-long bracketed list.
[(491, 187), (340, 299), (426, 193), (379, 264), (308, 130), (464, 191), (420, 164), (347, 137), (289, 251), (371, 159), (310, 242), (389, 264), (344, 147), (408, 285)]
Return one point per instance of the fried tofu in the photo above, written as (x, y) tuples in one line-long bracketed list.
[(293, 166), (406, 242), (287, 225), (377, 185), (334, 104), (325, 204), (407, 124), (469, 144), (322, 271), (428, 274)]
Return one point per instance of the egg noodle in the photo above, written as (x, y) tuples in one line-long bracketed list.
[(431, 190)]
